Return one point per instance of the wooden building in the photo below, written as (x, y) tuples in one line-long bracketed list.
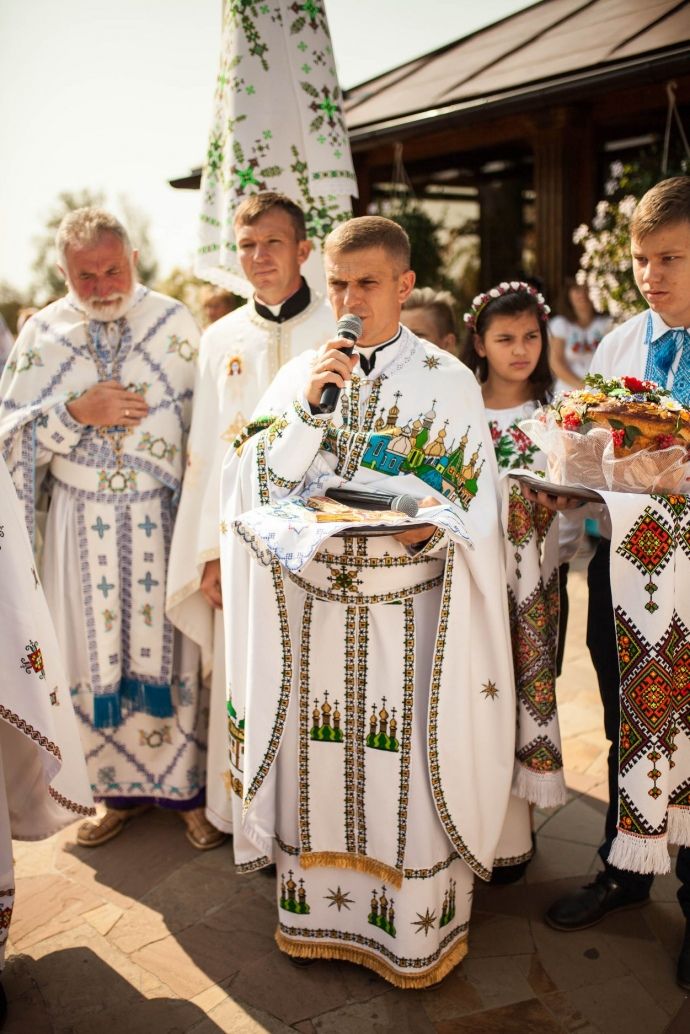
[(525, 116)]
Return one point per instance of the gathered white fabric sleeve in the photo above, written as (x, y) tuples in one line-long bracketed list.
[(294, 440), (292, 446)]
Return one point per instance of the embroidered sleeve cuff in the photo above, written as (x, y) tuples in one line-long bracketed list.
[(57, 431), (292, 444), (436, 544), (307, 416)]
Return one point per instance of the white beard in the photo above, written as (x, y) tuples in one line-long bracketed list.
[(105, 310)]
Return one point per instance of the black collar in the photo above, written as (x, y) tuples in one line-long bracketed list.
[(290, 308), (367, 363)]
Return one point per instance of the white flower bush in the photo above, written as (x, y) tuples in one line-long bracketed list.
[(605, 264)]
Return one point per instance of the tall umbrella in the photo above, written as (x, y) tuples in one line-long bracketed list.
[(278, 125)]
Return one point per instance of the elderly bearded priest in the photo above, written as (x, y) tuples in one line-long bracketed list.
[(371, 693), (96, 398), (240, 355)]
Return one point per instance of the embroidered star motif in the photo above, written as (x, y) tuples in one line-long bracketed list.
[(431, 362), (489, 689), (425, 922), (339, 898)]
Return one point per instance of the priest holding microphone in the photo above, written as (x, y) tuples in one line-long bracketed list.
[(371, 698)]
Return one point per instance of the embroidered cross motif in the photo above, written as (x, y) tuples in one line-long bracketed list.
[(148, 582), (147, 526), (344, 580), (100, 527), (105, 586)]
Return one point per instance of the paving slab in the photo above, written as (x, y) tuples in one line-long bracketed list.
[(147, 935)]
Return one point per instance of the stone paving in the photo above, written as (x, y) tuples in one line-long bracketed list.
[(148, 935)]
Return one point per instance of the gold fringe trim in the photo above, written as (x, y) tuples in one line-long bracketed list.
[(354, 862), (362, 957)]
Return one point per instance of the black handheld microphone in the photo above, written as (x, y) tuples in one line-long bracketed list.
[(350, 328), (406, 504)]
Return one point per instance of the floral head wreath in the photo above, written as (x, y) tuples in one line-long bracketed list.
[(514, 287)]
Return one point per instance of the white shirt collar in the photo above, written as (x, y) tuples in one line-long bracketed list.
[(659, 327)]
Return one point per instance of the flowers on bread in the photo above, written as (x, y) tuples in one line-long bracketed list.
[(638, 414)]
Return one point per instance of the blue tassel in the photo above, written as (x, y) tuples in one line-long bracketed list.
[(143, 696), (106, 711)]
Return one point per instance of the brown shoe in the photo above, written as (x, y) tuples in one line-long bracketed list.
[(200, 833), (93, 834)]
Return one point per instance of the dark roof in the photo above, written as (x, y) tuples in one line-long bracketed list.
[(550, 45)]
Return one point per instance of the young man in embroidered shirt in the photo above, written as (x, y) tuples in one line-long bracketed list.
[(653, 345), (239, 356)]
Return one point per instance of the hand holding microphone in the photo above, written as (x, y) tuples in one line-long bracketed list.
[(334, 365)]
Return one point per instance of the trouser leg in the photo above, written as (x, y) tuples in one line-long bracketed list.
[(563, 611)]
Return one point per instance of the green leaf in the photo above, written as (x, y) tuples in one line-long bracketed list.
[(297, 26), (631, 433), (618, 424)]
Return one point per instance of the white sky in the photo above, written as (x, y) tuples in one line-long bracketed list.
[(116, 95)]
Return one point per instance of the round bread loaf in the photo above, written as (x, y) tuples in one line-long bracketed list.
[(640, 425), (639, 414)]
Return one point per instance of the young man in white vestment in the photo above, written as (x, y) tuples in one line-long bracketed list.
[(96, 399), (371, 696), (240, 355)]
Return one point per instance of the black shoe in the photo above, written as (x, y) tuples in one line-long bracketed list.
[(588, 905), (505, 874), (502, 875), (3, 1007), (683, 971), (301, 963)]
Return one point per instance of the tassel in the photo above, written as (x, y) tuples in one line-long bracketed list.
[(640, 854), (362, 957), (106, 710), (679, 825), (148, 697), (545, 789), (355, 862)]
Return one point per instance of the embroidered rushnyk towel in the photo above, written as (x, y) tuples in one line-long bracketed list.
[(650, 581)]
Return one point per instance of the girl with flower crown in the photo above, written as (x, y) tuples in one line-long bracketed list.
[(507, 347)]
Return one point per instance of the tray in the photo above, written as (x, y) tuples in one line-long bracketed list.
[(374, 529), (551, 488)]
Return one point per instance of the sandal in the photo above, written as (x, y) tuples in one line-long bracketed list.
[(200, 833), (93, 834)]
